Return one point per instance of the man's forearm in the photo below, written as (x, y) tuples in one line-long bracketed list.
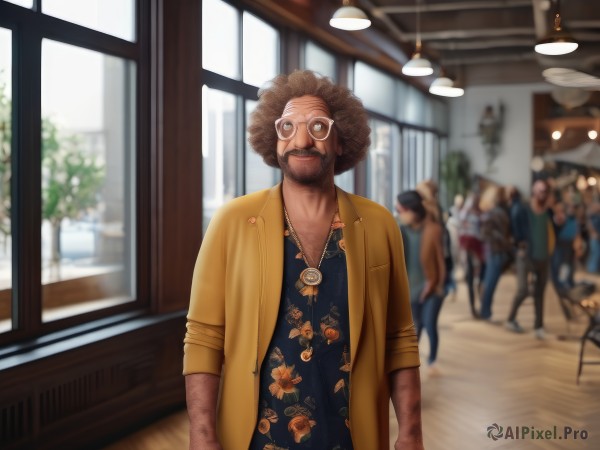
[(405, 389), (202, 390)]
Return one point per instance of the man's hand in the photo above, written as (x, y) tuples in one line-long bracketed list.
[(408, 445), (405, 390), (201, 393)]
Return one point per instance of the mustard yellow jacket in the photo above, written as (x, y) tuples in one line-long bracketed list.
[(235, 298)]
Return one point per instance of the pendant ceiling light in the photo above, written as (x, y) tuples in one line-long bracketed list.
[(417, 66), (558, 41), (349, 18), (444, 86)]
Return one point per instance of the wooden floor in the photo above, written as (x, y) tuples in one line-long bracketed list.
[(488, 376)]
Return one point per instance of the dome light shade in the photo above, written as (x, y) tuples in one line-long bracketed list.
[(444, 87), (554, 47), (349, 18), (417, 66), (558, 41)]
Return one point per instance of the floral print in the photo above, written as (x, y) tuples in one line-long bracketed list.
[(284, 384), (305, 378)]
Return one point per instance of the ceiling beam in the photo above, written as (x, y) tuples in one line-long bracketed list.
[(468, 34), (455, 6), (504, 32), (489, 59), (481, 44), (392, 27)]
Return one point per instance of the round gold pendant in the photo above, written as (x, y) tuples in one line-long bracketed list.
[(311, 276), (306, 355)]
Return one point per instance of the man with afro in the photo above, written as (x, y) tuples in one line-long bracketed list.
[(299, 327)]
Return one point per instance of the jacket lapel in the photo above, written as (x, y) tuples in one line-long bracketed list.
[(354, 239)]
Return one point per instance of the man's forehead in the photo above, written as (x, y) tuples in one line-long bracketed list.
[(307, 105)]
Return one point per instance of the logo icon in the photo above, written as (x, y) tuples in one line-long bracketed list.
[(495, 431)]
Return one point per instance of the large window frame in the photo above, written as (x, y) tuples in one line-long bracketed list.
[(244, 94), (29, 27)]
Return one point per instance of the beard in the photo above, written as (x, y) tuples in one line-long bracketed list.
[(305, 176)]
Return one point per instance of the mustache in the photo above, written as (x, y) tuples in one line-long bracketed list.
[(302, 152)]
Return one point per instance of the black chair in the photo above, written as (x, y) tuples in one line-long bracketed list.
[(592, 332), (570, 304)]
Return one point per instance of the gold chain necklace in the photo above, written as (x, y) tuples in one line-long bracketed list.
[(310, 276)]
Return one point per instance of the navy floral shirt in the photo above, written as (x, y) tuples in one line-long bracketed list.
[(304, 400)]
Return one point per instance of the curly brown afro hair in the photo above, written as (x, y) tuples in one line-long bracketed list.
[(351, 120)]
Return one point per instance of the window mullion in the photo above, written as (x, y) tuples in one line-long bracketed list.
[(27, 193)]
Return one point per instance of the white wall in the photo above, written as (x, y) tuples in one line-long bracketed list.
[(512, 164)]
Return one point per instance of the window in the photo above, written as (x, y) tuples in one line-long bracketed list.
[(319, 60), (380, 163), (25, 3), (240, 53), (115, 17), (69, 153), (258, 174), (346, 180), (219, 150), (87, 180), (409, 158), (220, 53), (261, 51), (5, 179), (375, 89)]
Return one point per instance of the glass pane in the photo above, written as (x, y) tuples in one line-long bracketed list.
[(88, 179), (115, 17), (220, 28), (261, 51), (413, 105), (379, 176), (5, 172), (346, 181), (258, 174), (219, 158), (25, 3), (420, 157), (375, 88), (319, 60)]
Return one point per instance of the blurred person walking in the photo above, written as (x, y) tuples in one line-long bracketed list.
[(535, 238), (472, 247), (495, 232), (425, 266)]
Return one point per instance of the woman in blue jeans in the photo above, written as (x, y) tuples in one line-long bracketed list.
[(495, 232), (425, 267)]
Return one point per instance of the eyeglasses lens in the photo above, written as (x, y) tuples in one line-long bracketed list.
[(318, 128)]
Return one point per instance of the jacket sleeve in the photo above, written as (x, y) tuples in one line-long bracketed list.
[(402, 349), (204, 339)]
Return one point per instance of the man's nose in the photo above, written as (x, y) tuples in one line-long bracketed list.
[(302, 138)]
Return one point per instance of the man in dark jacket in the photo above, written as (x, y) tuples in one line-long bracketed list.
[(534, 236)]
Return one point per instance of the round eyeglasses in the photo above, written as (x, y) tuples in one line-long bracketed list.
[(318, 128)]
